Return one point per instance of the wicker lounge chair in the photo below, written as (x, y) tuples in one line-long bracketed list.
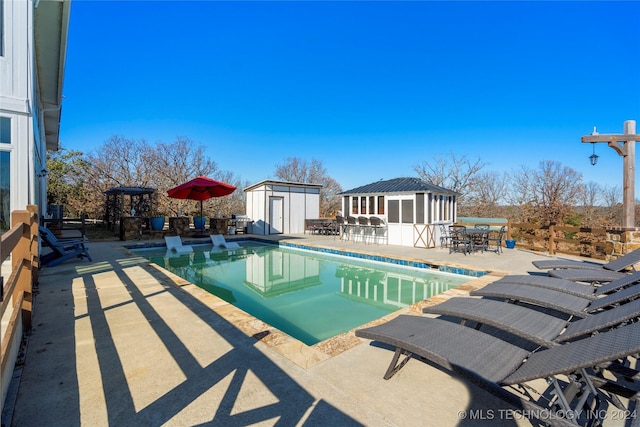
[(532, 325), (175, 246), (494, 364), (219, 241), (622, 263), (567, 286), (61, 249), (586, 275), (556, 300)]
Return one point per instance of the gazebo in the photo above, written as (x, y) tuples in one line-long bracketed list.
[(116, 206)]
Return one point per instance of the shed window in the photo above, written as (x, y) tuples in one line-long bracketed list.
[(354, 205), (363, 205), (407, 211), (372, 205), (380, 205), (394, 211), (420, 208)]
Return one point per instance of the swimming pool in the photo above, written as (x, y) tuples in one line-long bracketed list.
[(309, 295)]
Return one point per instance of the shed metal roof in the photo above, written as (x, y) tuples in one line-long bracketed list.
[(283, 183), (400, 185)]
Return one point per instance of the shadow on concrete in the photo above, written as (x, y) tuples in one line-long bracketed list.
[(52, 389)]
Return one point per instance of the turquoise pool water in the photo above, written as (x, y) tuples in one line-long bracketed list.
[(309, 295)]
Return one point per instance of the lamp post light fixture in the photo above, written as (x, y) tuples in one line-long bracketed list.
[(594, 157), (627, 150)]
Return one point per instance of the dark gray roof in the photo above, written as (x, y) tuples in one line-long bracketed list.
[(130, 191), (400, 185)]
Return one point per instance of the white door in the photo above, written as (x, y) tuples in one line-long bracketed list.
[(275, 215)]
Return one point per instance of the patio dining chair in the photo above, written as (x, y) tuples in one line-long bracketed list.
[(460, 240), (377, 224), (352, 226), (364, 226), (341, 225), (445, 235), (495, 239)]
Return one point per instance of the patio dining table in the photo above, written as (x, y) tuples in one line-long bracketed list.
[(478, 237)]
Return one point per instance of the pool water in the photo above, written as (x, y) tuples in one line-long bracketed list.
[(309, 295)]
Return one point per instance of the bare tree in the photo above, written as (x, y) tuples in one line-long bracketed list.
[(488, 193), (612, 196), (548, 193), (455, 173), (172, 164), (126, 162), (295, 169), (590, 195)]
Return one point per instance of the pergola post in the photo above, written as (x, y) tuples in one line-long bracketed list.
[(628, 153)]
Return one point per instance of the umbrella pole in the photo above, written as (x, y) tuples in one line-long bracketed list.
[(202, 229)]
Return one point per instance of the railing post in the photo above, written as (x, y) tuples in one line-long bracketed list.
[(35, 244), (20, 253), (552, 239)]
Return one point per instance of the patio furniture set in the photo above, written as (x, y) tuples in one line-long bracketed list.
[(582, 337), (481, 237), (362, 228)]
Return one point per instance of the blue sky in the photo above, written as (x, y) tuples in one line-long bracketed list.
[(369, 88)]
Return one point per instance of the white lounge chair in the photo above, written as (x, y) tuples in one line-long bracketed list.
[(219, 241), (174, 245)]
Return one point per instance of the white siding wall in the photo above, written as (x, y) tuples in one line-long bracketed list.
[(299, 203), (19, 102)]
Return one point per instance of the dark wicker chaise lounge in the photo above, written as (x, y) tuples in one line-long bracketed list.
[(535, 326), (556, 300), (494, 364), (570, 287), (622, 263), (586, 275)]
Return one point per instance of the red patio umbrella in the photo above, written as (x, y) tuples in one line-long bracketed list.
[(200, 189)]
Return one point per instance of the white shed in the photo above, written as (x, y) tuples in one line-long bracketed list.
[(411, 208), (278, 207)]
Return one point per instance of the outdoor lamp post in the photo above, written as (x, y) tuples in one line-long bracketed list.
[(628, 153)]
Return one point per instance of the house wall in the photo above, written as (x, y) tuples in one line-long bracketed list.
[(299, 203), (21, 111)]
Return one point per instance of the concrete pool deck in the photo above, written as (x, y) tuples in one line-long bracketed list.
[(118, 341)]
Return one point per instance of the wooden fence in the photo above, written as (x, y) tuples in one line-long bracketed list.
[(21, 242), (554, 239)]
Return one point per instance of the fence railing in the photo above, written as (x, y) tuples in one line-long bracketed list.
[(21, 242), (554, 239), (67, 227)]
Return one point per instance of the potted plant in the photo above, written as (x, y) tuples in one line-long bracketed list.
[(199, 222), (157, 222)]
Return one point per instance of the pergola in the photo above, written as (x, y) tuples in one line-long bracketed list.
[(140, 203)]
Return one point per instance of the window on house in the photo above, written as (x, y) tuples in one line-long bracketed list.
[(1, 27), (363, 205), (5, 175), (354, 205), (372, 207), (394, 211), (380, 205)]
